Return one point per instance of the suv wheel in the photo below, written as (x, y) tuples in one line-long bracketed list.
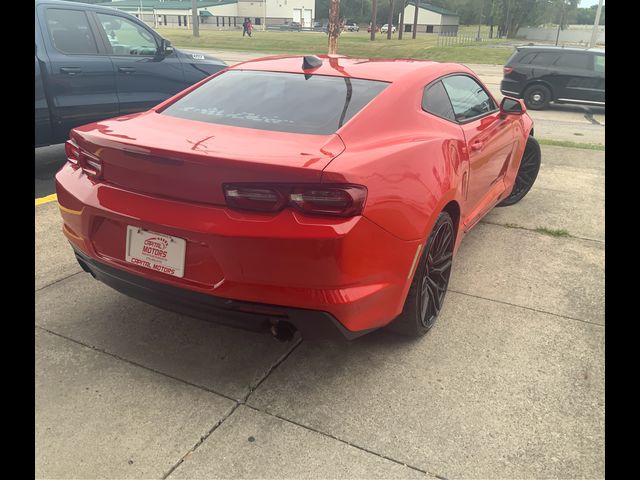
[(537, 97)]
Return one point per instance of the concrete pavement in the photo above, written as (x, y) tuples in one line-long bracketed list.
[(509, 383)]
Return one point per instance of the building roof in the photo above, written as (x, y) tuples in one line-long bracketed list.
[(441, 11)]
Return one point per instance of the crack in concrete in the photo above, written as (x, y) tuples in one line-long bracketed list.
[(528, 308), (346, 442), (58, 280), (537, 230), (201, 441)]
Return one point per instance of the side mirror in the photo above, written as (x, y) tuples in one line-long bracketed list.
[(165, 47), (512, 106)]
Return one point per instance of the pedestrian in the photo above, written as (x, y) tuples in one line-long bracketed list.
[(249, 27), (244, 26)]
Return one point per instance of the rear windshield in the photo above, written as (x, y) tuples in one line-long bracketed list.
[(283, 102)]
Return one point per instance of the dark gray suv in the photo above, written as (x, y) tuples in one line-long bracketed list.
[(543, 74)]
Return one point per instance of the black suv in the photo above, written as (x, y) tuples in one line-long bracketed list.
[(543, 74)]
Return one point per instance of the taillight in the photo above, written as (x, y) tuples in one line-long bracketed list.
[(338, 200), (89, 163), (507, 70), (73, 152)]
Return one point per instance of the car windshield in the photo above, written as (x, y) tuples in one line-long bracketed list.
[(283, 102)]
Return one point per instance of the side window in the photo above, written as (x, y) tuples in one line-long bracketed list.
[(127, 37), (598, 65), (70, 32), (468, 98), (574, 60), (545, 58), (435, 100), (527, 58)]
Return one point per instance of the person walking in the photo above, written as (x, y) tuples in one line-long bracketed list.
[(249, 26), (244, 27)]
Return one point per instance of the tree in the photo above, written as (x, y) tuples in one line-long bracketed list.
[(403, 5), (415, 20), (390, 21), (334, 26), (374, 20)]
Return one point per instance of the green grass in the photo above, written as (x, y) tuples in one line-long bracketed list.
[(565, 143), (553, 232), (352, 44)]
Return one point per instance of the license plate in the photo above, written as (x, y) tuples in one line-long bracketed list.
[(156, 251)]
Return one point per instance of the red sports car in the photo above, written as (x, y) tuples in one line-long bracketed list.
[(324, 194)]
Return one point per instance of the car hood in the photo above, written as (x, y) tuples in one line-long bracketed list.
[(198, 57)]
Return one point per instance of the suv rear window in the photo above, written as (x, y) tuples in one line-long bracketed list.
[(283, 102)]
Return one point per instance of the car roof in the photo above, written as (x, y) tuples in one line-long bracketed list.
[(84, 6), (554, 48), (386, 70)]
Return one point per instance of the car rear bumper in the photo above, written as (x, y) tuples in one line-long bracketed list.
[(511, 88), (245, 315), (349, 270)]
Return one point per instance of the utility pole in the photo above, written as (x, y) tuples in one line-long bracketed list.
[(374, 19), (334, 26), (194, 18), (415, 21), (403, 5), (594, 33)]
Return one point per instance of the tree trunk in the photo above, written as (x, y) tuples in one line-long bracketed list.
[(194, 18), (401, 22), (415, 21), (334, 26), (390, 20), (374, 19)]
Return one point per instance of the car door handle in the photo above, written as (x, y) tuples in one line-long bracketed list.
[(71, 71), (477, 145), (126, 69)]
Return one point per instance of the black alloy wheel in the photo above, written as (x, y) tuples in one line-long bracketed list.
[(537, 97), (429, 286), (527, 173)]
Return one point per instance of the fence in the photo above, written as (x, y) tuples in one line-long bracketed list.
[(454, 39)]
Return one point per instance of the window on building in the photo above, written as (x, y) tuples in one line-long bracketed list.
[(429, 28), (70, 32)]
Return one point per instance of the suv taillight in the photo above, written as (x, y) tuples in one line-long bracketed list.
[(507, 70), (343, 200), (89, 163)]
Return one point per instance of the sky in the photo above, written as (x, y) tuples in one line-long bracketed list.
[(588, 3)]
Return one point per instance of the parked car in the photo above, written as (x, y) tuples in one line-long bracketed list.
[(385, 28), (94, 62), (271, 196), (292, 26), (351, 26), (543, 74)]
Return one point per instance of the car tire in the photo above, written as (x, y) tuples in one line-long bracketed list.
[(429, 286), (537, 97), (527, 173)]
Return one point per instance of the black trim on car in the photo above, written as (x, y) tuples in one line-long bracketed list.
[(311, 323)]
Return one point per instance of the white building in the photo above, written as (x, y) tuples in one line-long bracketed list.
[(431, 20), (219, 14)]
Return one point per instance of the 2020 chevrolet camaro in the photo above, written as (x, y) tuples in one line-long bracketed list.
[(324, 194)]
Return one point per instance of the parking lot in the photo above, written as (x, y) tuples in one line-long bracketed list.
[(508, 384)]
